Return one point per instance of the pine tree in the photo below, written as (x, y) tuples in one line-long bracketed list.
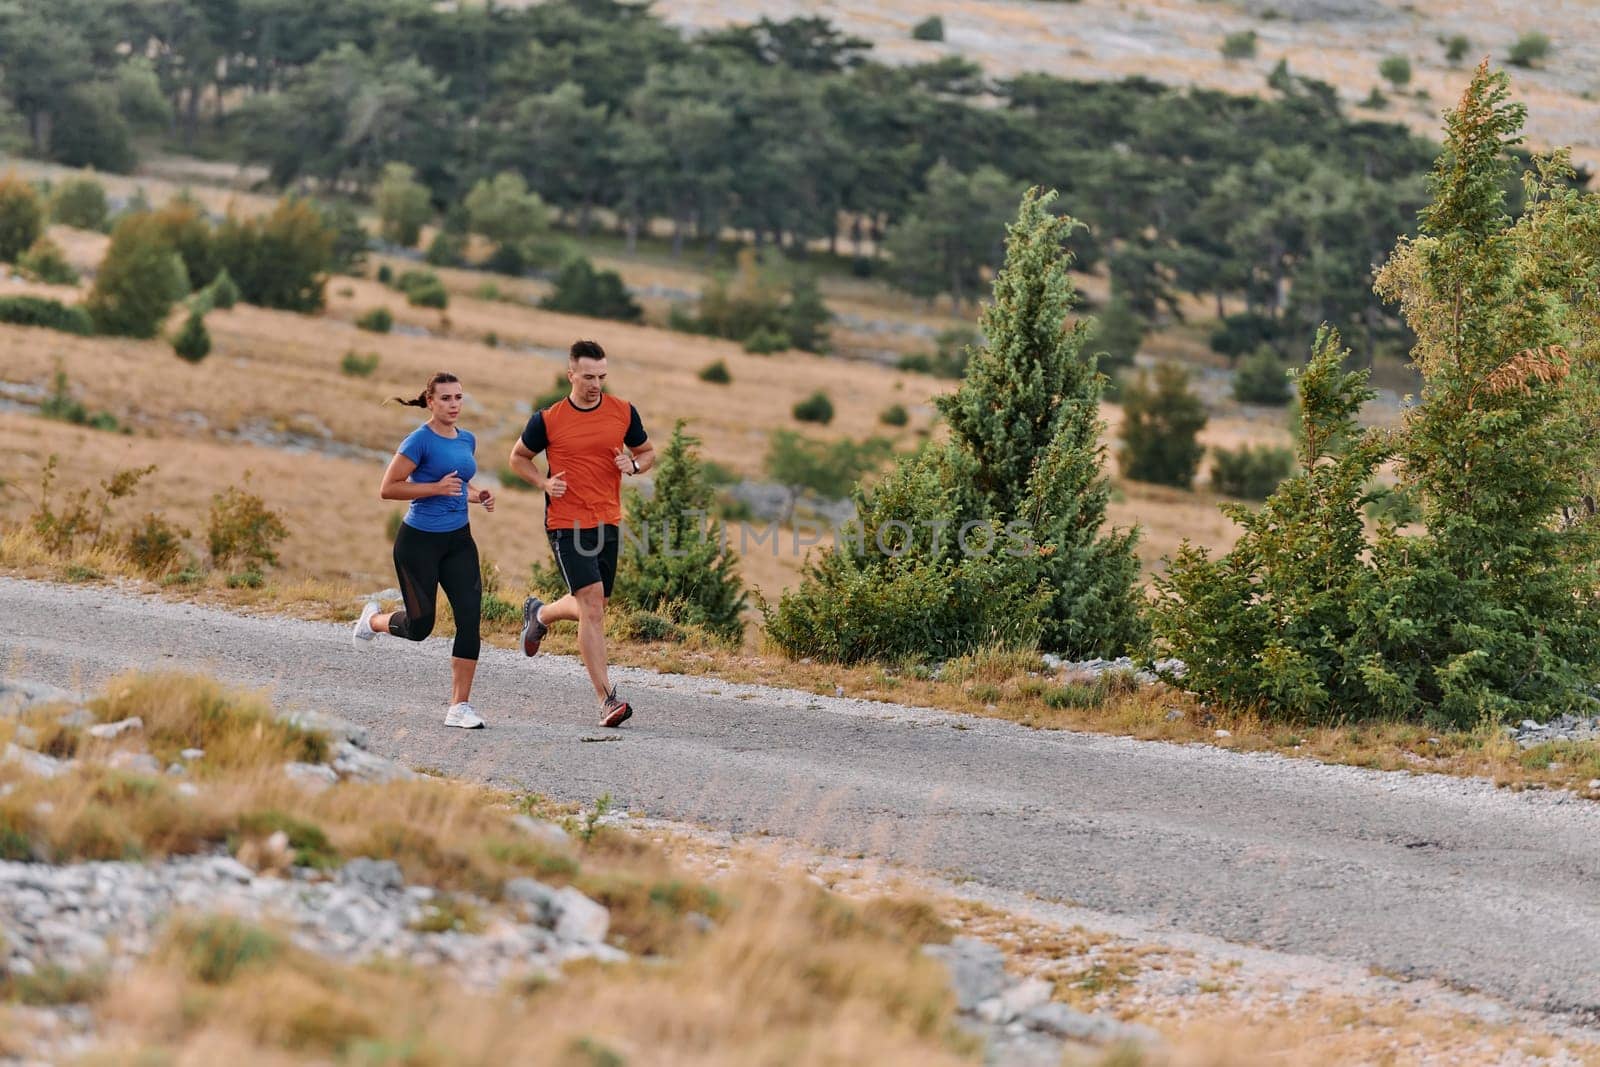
[(676, 559), (193, 342), (140, 279), (21, 217)]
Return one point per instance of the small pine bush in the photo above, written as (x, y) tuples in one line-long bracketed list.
[(929, 29), (1456, 48), (765, 341), (193, 342), (1241, 45), (51, 314), (716, 372), (582, 290), (140, 279), (1160, 421), (1250, 472), (1262, 379), (21, 217), (45, 262), (378, 320), (80, 203), (423, 289), (1529, 49), (1396, 70), (894, 415), (155, 545), (815, 408), (222, 291), (358, 364), (385, 274), (241, 527), (446, 249)]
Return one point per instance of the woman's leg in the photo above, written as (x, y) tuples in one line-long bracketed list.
[(417, 558), (462, 580)]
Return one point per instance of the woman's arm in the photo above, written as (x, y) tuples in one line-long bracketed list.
[(395, 486), (480, 495)]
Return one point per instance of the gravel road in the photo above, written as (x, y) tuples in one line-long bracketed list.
[(1420, 876)]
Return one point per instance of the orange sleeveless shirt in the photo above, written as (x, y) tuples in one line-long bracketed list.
[(581, 446)]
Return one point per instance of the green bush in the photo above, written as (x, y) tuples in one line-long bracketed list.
[(358, 364), (423, 289), (1160, 421), (140, 279), (280, 260), (1375, 99), (385, 274), (815, 408), (351, 241), (929, 29), (45, 262), (953, 349), (894, 415), (1247, 331), (715, 372), (222, 292), (1117, 334), (155, 545), (184, 224), (446, 249), (1394, 504), (193, 342), (62, 407), (378, 320), (582, 290), (1529, 49), (764, 342), (241, 527), (806, 317), (21, 217), (51, 314), (403, 205), (829, 470), (1240, 45), (1262, 379), (80, 203), (1457, 47), (1396, 70), (89, 130), (1251, 472), (678, 565)]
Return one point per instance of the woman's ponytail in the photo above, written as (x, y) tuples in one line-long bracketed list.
[(423, 397)]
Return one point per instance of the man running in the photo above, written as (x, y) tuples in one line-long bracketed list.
[(590, 440)]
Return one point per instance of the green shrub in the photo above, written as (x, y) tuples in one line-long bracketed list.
[(184, 225), (715, 372), (222, 291), (815, 408), (351, 241), (80, 203), (1375, 99), (216, 948), (155, 545), (953, 349), (1529, 49), (242, 527), (51, 314), (423, 289), (403, 205), (1242, 333), (1396, 70), (894, 415), (1251, 472), (764, 342), (140, 279), (193, 342), (21, 217), (1118, 332), (89, 130), (61, 406), (281, 260), (830, 470), (446, 249), (679, 566), (45, 262), (385, 274), (1240, 45), (806, 317), (358, 364), (929, 29), (582, 290), (1457, 47), (1394, 504), (1160, 421), (1262, 379), (378, 320), (651, 626)]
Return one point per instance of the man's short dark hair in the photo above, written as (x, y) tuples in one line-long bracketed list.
[(585, 350)]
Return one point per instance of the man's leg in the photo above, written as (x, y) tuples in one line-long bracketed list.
[(587, 608)]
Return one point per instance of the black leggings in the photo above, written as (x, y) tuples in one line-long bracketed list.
[(424, 561)]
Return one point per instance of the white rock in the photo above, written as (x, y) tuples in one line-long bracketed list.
[(108, 730), (581, 919), (541, 829), (137, 762), (35, 763), (352, 762), (1224, 733), (192, 754), (313, 776)]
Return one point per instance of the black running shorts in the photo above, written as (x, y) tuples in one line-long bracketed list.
[(586, 556)]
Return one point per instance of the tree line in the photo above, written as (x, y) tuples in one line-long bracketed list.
[(788, 133)]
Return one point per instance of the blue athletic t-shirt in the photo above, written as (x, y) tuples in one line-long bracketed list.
[(435, 457)]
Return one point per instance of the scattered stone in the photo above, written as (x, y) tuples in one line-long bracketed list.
[(78, 718), (977, 970), (313, 776), (1073, 1025), (351, 762), (17, 696), (108, 730), (1224, 733), (1174, 714), (1092, 668), (1014, 1001), (134, 762), (537, 901), (335, 728), (35, 763), (192, 754), (1568, 727), (581, 919), (542, 829), (377, 875)]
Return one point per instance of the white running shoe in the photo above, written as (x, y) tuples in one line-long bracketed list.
[(364, 634), (463, 716)]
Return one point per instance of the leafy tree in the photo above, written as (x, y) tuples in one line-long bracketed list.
[(351, 241), (403, 205), (279, 260), (193, 342), (21, 217), (187, 229), (139, 280), (1261, 378), (88, 130), (952, 232), (678, 562), (1250, 472), (582, 290), (505, 212), (828, 469), (80, 202), (1160, 421), (1396, 70), (140, 99)]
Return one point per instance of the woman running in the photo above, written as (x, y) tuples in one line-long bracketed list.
[(433, 469)]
